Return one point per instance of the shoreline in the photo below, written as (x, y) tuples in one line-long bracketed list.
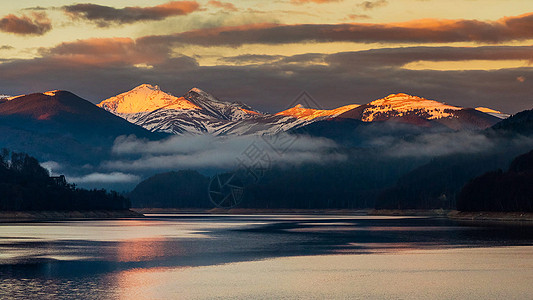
[(252, 211), (467, 217), (37, 216), (484, 217)]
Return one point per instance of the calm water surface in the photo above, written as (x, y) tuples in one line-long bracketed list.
[(265, 256)]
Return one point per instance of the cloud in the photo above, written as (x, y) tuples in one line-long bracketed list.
[(358, 16), (35, 24), (182, 152), (106, 51), (368, 5), (436, 144), (396, 57), (251, 59), (51, 166), (114, 177), (440, 144), (105, 16), (6, 47), (223, 5), (391, 57), (270, 83), (416, 31), (313, 1)]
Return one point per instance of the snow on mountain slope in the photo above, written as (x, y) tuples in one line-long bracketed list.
[(262, 125), (231, 111), (197, 112), (51, 93), (308, 114), (14, 97), (144, 98), (492, 112), (402, 104), (421, 112)]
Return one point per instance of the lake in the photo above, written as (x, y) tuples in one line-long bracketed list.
[(195, 256)]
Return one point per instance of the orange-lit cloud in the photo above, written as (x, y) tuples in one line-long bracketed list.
[(396, 57), (223, 5), (106, 52), (417, 31), (105, 16), (358, 16), (37, 24)]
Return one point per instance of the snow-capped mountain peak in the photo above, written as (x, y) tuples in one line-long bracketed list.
[(196, 112), (402, 104), (199, 112), (144, 98), (231, 111), (203, 94)]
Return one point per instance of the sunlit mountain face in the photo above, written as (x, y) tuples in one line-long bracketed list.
[(145, 98), (199, 112), (309, 114)]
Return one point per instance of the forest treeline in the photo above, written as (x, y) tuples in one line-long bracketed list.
[(501, 191), (26, 186)]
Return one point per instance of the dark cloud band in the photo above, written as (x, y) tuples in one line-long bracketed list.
[(106, 16), (417, 31)]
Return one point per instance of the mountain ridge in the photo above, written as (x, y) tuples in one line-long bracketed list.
[(207, 114)]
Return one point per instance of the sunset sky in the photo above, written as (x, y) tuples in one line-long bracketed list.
[(264, 53)]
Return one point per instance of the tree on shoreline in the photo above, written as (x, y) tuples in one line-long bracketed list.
[(25, 186)]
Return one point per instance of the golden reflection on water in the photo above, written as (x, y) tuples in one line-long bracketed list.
[(143, 249), (481, 273)]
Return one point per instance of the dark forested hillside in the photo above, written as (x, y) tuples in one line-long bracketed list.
[(26, 186), (182, 189), (501, 191), (521, 123), (438, 183)]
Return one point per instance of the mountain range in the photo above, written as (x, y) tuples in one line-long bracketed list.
[(80, 136), (198, 112), (60, 124)]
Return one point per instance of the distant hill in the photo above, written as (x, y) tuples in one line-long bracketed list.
[(501, 191), (181, 189), (61, 125), (520, 123), (437, 183)]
